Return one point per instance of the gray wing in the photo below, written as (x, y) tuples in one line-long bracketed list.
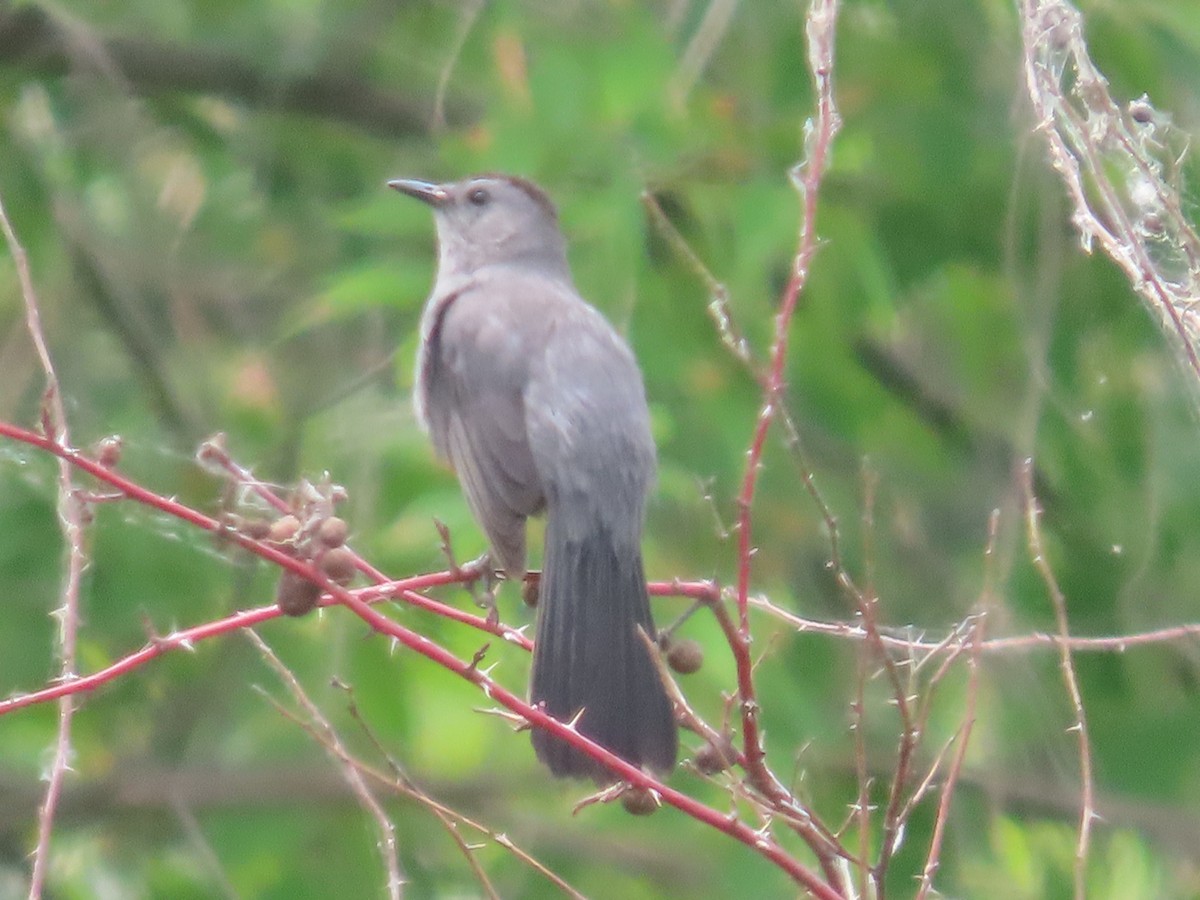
[(589, 428), (471, 384)]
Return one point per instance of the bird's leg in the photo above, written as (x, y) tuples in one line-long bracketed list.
[(481, 571)]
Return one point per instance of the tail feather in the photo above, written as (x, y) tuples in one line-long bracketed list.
[(589, 656)]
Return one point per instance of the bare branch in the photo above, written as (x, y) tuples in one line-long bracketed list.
[(71, 522), (350, 771), (806, 177), (963, 736), (1087, 812)]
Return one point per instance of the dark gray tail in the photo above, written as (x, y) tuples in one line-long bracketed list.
[(590, 656)]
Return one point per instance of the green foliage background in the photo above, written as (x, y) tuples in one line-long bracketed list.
[(216, 252)]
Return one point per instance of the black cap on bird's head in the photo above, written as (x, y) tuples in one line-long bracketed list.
[(491, 219), (478, 190)]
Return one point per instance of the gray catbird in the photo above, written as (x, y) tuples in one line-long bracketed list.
[(538, 405)]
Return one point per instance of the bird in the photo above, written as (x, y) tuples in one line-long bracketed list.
[(538, 405)]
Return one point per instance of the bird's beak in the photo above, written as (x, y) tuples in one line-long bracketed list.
[(433, 194)]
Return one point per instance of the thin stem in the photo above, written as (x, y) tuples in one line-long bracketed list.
[(71, 522), (1087, 811)]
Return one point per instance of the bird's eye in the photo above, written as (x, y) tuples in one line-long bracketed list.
[(479, 196)]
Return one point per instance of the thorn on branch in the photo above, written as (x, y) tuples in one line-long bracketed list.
[(518, 723), (478, 657)]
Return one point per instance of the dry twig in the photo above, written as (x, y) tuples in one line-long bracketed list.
[(71, 521)]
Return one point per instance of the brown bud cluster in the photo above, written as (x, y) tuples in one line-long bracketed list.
[(686, 656), (308, 530), (319, 539), (338, 564), (332, 531), (639, 801), (296, 595), (714, 758), (283, 530)]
